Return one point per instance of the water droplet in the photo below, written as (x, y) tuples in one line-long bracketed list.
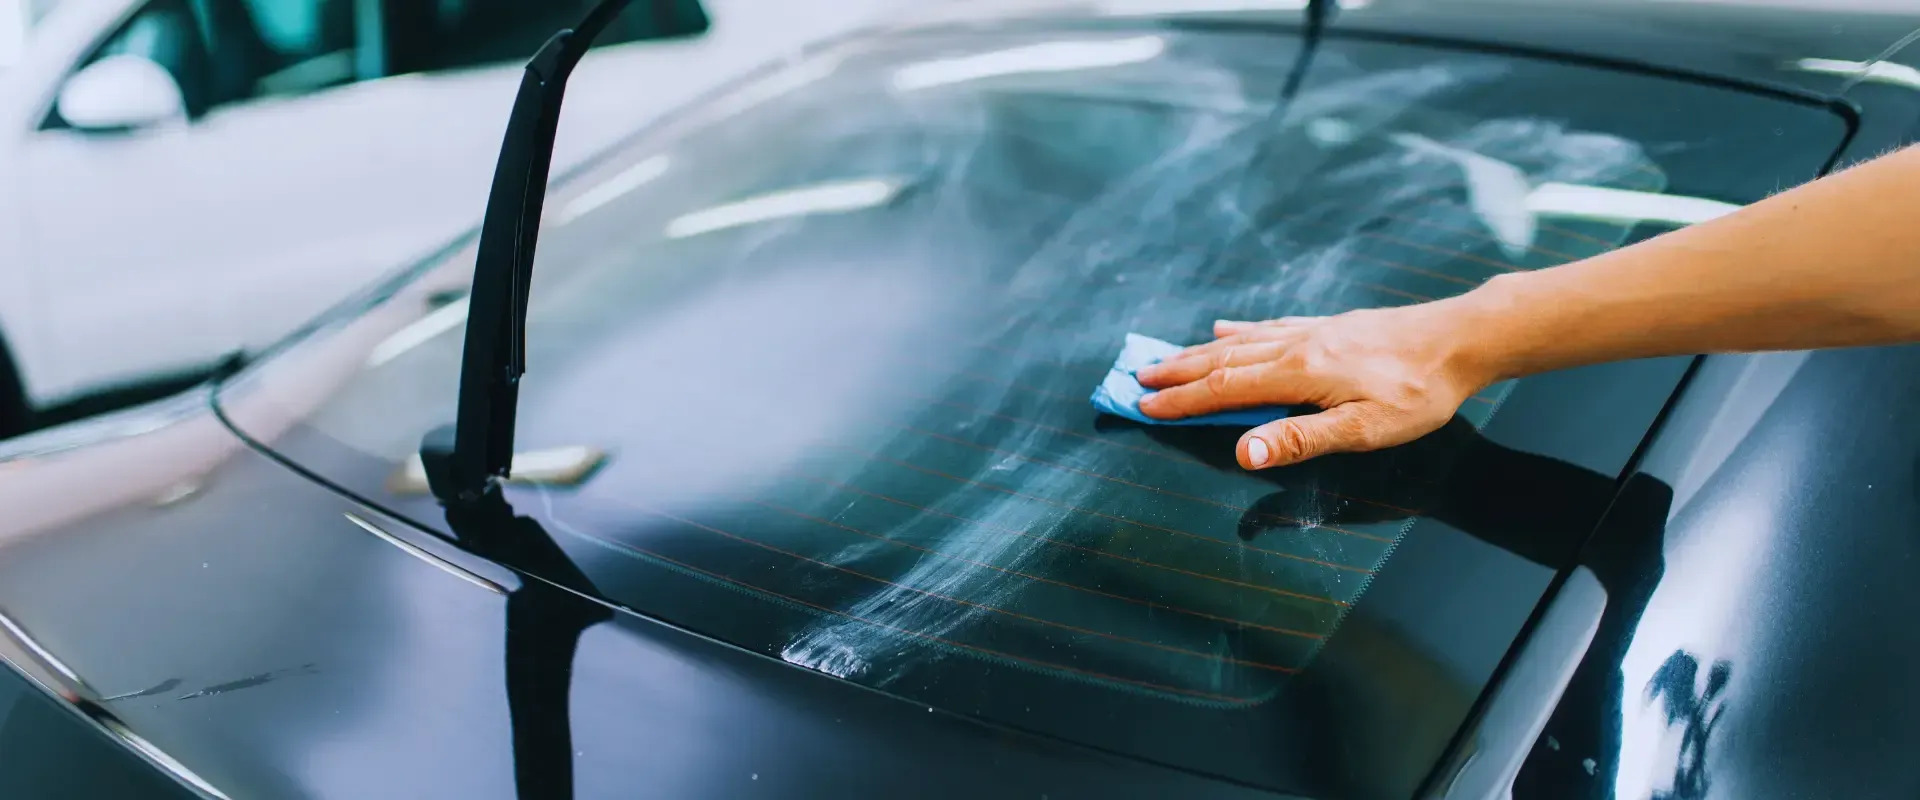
[(1588, 765), (756, 776)]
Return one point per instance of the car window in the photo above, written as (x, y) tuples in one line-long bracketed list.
[(836, 336), (454, 34), (285, 46), (223, 52), (228, 51)]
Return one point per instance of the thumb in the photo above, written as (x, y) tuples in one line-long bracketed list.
[(1296, 439)]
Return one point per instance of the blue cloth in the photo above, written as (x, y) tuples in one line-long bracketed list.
[(1120, 393)]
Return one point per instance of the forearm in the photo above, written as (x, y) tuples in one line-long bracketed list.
[(1832, 263)]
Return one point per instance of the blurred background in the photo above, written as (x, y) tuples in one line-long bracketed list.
[(184, 179)]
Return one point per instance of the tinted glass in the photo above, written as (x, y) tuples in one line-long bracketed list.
[(837, 334), (228, 51), (426, 35)]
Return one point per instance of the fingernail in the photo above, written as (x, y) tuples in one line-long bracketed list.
[(1257, 452), (1227, 323)]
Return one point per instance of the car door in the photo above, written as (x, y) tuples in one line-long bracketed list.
[(150, 239), (325, 142), (292, 179)]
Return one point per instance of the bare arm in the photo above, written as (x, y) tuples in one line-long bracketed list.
[(1833, 263)]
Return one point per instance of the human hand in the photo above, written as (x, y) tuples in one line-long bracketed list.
[(1382, 377)]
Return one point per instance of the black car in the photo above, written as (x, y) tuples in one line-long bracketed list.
[(807, 498)]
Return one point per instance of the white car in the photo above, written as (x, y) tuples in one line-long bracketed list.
[(180, 179)]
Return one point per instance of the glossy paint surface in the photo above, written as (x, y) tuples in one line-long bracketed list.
[(1759, 570), (257, 635)]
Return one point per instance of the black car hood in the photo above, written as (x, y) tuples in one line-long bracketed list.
[(261, 635)]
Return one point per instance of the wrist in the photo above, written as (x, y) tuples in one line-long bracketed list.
[(1491, 338)]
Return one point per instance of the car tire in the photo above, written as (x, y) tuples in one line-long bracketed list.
[(16, 415)]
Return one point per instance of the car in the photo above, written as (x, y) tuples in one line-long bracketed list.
[(186, 179), (801, 494)]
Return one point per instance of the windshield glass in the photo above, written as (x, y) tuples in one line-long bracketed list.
[(835, 335)]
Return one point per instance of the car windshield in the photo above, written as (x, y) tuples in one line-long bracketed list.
[(835, 332)]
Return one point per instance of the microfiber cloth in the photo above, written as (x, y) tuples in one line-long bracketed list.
[(1120, 393)]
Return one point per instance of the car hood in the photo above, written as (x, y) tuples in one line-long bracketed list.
[(257, 634)]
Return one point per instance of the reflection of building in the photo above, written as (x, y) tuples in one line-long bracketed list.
[(1696, 709)]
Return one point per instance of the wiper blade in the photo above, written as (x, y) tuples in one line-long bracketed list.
[(465, 461)]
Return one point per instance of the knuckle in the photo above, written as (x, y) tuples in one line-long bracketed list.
[(1182, 400), (1293, 441), (1223, 357), (1219, 381)]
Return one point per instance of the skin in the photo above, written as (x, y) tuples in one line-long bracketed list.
[(1832, 263)]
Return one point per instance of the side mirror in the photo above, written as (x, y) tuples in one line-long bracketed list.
[(120, 92)]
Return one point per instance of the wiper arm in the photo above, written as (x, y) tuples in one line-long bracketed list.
[(466, 461), (1315, 16), (1318, 14)]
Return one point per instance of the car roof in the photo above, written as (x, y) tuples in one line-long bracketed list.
[(1810, 46)]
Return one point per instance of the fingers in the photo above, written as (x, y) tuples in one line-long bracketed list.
[(1223, 328), (1189, 368), (1232, 387), (1260, 333), (1341, 429)]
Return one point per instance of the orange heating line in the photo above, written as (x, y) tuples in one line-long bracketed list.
[(920, 634), (958, 601), (1090, 512), (1151, 605)]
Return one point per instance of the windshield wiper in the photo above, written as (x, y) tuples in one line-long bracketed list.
[(465, 461)]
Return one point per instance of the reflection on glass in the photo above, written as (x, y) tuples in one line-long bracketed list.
[(1884, 72), (1121, 8), (446, 318), (823, 198), (1048, 57), (612, 188), (1496, 191), (1621, 206)]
